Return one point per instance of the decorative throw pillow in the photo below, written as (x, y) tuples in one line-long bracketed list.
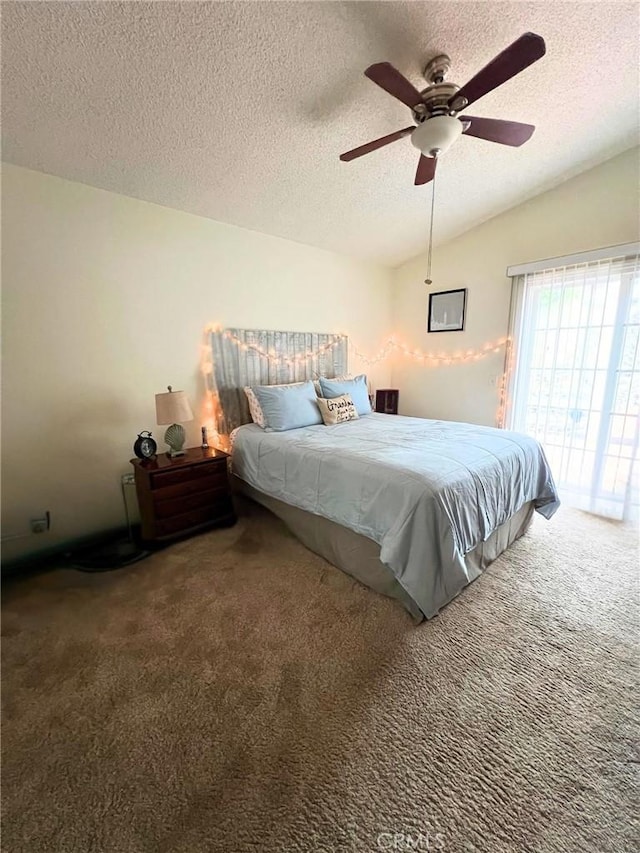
[(356, 388), (255, 409), (337, 410)]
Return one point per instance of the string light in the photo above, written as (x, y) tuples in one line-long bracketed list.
[(213, 410), (271, 355), (434, 358), (501, 414), (380, 356)]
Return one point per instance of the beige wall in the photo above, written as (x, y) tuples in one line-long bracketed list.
[(105, 299), (104, 302), (597, 208)]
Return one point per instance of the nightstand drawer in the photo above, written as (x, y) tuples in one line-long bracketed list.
[(217, 480), (162, 479), (220, 510), (177, 506)]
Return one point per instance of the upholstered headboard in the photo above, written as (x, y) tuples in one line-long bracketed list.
[(260, 357)]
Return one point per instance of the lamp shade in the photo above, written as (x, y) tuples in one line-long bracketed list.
[(173, 408)]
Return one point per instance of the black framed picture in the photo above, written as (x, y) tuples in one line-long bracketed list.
[(447, 310)]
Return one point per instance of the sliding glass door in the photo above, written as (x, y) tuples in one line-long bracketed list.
[(577, 379)]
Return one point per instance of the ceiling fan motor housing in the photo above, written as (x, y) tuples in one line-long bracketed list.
[(436, 135), (436, 100)]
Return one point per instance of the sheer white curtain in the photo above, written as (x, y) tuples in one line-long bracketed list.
[(576, 378)]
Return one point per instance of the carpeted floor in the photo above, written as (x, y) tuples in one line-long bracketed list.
[(236, 693)]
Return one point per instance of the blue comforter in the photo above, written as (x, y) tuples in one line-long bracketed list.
[(427, 492)]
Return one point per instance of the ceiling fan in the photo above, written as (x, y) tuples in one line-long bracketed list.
[(435, 109)]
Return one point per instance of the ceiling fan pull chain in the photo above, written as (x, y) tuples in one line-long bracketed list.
[(430, 252)]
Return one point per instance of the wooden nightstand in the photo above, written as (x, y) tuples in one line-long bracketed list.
[(182, 496)]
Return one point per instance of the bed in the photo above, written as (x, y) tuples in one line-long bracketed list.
[(413, 508)]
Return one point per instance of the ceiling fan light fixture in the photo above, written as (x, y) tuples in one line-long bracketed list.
[(436, 134), (435, 109)]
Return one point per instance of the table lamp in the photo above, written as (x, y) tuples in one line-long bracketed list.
[(173, 408)]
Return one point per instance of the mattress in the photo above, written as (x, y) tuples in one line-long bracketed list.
[(427, 492)]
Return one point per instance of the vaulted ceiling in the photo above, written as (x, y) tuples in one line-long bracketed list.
[(238, 111)]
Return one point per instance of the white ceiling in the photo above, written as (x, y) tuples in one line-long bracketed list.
[(238, 111)]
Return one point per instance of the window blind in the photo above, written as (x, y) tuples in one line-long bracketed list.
[(576, 381)]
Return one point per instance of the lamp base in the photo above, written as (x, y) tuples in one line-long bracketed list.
[(175, 437)]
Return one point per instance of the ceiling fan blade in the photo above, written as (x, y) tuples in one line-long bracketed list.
[(392, 81), (513, 59), (377, 143), (426, 170), (495, 130)]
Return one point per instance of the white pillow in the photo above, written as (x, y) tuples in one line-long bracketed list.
[(337, 410), (255, 409)]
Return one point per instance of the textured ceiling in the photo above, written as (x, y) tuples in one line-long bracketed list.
[(238, 111)]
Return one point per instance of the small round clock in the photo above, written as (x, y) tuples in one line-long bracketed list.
[(145, 447)]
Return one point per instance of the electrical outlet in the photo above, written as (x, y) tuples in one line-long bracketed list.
[(128, 479), (41, 525)]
